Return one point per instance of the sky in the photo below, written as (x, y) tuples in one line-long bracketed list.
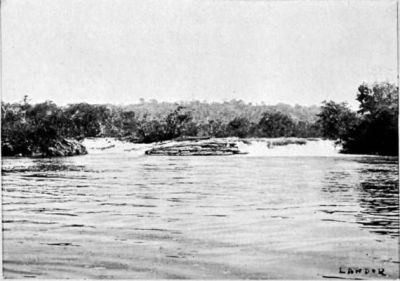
[(118, 51)]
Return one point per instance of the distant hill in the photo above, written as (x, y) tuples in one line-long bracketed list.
[(225, 111)]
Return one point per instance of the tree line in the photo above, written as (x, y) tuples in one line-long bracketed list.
[(373, 129), (30, 127)]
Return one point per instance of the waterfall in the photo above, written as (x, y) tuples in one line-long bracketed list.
[(253, 147)]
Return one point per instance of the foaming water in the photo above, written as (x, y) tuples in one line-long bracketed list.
[(266, 147), (253, 147), (112, 146), (120, 214)]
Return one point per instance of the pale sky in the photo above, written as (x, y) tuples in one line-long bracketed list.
[(118, 51)]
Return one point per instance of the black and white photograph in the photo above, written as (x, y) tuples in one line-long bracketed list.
[(200, 139)]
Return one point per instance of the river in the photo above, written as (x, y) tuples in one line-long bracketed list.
[(121, 215)]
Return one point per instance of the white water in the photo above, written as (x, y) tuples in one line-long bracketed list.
[(311, 148), (112, 146), (254, 147)]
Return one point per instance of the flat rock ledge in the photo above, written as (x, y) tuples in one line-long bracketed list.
[(196, 148)]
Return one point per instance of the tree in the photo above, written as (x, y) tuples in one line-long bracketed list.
[(14, 129), (275, 124), (151, 131), (377, 131), (129, 122), (373, 130), (85, 119), (335, 119), (176, 122), (190, 129), (46, 122), (239, 127), (379, 97), (28, 128), (307, 130)]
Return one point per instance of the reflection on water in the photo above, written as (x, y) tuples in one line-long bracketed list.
[(379, 197), (376, 189), (120, 216), (380, 204)]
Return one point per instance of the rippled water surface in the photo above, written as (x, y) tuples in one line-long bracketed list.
[(120, 216)]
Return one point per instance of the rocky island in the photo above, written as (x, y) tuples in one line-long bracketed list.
[(196, 148)]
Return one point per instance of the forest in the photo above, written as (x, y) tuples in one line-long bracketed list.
[(373, 129)]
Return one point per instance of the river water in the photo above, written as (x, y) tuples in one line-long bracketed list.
[(127, 215)]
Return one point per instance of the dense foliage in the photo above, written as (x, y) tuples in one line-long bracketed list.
[(371, 130), (27, 128)]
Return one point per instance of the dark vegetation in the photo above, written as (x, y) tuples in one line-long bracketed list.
[(27, 128), (373, 129)]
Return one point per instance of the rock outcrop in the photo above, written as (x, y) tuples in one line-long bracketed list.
[(196, 148), (55, 148), (65, 147)]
